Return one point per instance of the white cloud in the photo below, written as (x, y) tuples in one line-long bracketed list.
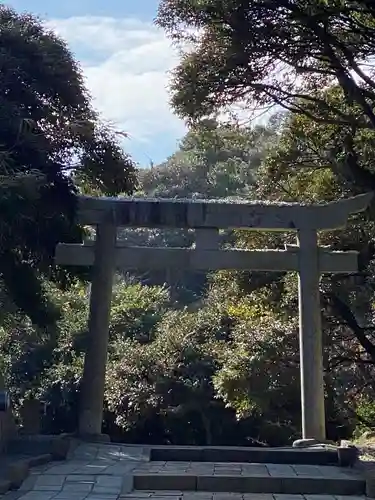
[(126, 63)]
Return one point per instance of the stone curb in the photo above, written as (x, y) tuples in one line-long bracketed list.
[(91, 438), (370, 486), (58, 446), (250, 484), (308, 456), (18, 471), (4, 486)]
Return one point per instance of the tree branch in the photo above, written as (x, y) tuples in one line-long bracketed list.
[(344, 312)]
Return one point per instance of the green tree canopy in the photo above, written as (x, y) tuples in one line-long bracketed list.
[(214, 160), (264, 53), (50, 138), (304, 166), (273, 52)]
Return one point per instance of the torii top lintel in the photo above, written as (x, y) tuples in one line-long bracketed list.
[(220, 214)]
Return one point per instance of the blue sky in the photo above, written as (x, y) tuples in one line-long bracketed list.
[(142, 9), (126, 61)]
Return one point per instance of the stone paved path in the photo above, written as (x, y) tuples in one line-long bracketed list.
[(104, 472), (92, 472)]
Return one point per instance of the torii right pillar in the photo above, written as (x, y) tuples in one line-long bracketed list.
[(310, 338), (310, 322)]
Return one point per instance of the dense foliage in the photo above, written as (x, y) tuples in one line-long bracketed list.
[(213, 161), (217, 362), (49, 136), (260, 54), (224, 368)]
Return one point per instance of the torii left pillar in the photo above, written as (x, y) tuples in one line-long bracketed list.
[(93, 380)]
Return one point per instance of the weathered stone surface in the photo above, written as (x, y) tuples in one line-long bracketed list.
[(219, 213), (252, 478), (57, 446), (320, 486), (199, 495), (313, 456), (17, 472), (95, 438), (82, 477), (183, 454), (164, 482), (347, 456), (305, 443), (370, 486), (105, 472), (4, 486), (240, 484), (39, 460)]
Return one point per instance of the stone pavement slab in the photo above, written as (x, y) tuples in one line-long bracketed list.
[(224, 469), (199, 495), (92, 472)]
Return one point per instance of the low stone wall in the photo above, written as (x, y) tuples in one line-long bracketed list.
[(8, 429)]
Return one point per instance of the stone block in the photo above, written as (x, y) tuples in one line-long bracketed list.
[(305, 443), (322, 486), (127, 484), (370, 486), (225, 454), (298, 497), (39, 460), (346, 486), (4, 486), (17, 472), (164, 482), (239, 484), (312, 457), (29, 483), (256, 496), (183, 454), (263, 484), (347, 456), (94, 438), (60, 448), (308, 456)]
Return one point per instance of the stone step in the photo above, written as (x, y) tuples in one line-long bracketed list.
[(308, 456), (206, 495), (247, 478)]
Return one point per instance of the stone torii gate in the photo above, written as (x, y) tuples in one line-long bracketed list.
[(207, 218)]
